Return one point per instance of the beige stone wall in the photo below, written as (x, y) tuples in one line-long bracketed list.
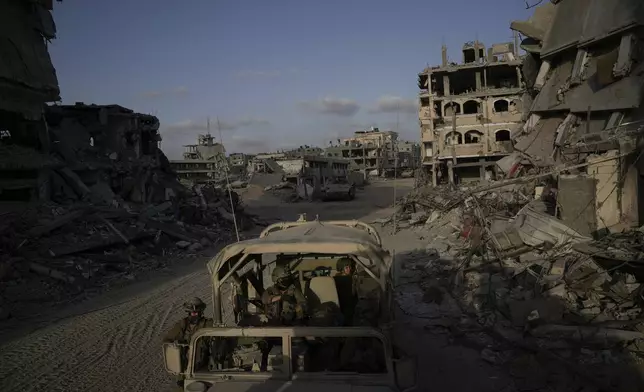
[(606, 174), (487, 120), (632, 196), (494, 109)]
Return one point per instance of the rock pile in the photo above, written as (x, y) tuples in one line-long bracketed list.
[(84, 246), (502, 274)]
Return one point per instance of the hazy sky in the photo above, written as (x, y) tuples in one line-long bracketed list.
[(277, 73)]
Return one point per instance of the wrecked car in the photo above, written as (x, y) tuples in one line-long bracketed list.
[(251, 355)]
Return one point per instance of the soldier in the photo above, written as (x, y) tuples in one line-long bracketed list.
[(183, 330), (345, 267), (346, 284), (284, 302)]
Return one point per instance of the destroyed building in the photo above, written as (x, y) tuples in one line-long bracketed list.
[(469, 110), (584, 71), (202, 162), (239, 159), (27, 75), (549, 259), (108, 151), (87, 198), (408, 154), (373, 151)]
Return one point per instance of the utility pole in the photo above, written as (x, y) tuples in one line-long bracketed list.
[(395, 168)]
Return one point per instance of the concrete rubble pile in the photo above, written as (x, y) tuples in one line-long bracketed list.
[(100, 203), (542, 271), (502, 272)]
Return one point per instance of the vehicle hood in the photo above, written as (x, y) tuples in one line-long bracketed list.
[(292, 386)]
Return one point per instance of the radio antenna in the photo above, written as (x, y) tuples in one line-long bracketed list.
[(230, 191), (394, 148)]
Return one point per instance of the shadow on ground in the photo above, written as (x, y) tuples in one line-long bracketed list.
[(452, 317)]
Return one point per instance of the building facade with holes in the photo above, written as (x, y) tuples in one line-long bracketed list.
[(468, 111)]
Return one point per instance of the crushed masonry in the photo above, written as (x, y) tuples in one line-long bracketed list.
[(507, 266), (99, 205)]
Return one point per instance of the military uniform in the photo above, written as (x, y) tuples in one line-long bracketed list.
[(289, 309), (183, 331)]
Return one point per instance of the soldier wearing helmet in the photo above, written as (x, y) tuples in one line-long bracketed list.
[(182, 332), (284, 302), (345, 267), (346, 284)]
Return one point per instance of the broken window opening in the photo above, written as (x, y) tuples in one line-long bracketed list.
[(471, 107), (453, 138), (451, 108), (502, 76), (424, 102), (438, 109), (624, 61), (146, 143), (501, 105), (469, 55), (422, 82), (502, 135), (437, 84), (473, 137), (463, 82)]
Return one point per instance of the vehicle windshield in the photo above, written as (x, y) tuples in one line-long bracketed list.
[(332, 291)]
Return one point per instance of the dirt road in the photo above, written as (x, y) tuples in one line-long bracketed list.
[(112, 343)]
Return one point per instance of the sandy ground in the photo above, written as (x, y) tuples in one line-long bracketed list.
[(112, 343)]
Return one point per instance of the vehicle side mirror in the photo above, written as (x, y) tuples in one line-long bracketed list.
[(172, 358), (405, 373)]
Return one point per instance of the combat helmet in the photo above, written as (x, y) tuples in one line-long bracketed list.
[(194, 305), (345, 262), (281, 276)]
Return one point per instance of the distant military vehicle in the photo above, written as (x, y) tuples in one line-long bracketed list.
[(338, 189)]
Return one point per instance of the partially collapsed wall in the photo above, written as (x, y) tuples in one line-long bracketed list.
[(98, 153), (27, 75), (95, 202), (585, 75)]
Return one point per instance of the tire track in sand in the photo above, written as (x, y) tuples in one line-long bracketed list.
[(112, 349)]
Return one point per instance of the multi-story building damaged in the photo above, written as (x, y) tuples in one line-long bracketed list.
[(469, 111), (373, 151), (202, 162), (584, 71)]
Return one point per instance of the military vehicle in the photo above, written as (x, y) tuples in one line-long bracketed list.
[(338, 189), (245, 353)]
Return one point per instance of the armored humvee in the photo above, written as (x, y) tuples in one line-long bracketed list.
[(244, 353)]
